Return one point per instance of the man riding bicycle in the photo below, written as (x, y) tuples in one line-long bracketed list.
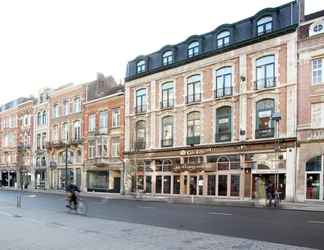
[(71, 190)]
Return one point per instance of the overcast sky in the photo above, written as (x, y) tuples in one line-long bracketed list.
[(50, 43)]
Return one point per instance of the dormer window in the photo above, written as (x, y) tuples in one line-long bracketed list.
[(264, 25), (193, 49), (140, 67), (223, 39), (167, 58)]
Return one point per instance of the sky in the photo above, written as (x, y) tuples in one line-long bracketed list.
[(47, 43)]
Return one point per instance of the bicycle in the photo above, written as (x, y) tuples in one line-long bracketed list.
[(80, 207)]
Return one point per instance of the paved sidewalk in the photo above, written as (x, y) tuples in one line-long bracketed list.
[(305, 206), (41, 230)]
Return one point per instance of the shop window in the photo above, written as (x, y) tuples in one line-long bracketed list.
[(222, 185), (193, 185), (235, 185), (158, 184), (166, 184), (148, 180), (211, 185), (176, 184)]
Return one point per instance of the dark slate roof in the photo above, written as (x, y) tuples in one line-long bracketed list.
[(285, 19), (14, 103), (103, 86)]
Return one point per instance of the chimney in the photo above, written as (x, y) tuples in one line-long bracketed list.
[(301, 14)]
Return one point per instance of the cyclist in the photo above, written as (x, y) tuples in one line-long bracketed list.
[(72, 190)]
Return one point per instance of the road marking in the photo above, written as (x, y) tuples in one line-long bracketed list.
[(316, 222), (219, 213), (6, 214), (144, 207), (32, 195)]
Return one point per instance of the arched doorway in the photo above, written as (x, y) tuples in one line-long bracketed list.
[(314, 178)]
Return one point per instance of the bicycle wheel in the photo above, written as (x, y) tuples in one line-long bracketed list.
[(82, 208)]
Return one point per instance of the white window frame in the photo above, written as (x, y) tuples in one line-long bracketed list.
[(320, 69), (116, 118)]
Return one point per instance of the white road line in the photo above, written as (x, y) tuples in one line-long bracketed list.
[(32, 195), (6, 214), (219, 213), (316, 222), (144, 207)]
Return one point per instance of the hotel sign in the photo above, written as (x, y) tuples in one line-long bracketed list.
[(201, 151)]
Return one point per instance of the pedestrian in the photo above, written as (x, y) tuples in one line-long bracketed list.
[(269, 193)]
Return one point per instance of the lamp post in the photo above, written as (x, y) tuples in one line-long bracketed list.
[(276, 116)]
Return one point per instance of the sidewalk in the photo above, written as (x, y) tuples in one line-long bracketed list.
[(302, 206)]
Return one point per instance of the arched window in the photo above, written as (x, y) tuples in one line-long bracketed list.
[(44, 118), (223, 39), (167, 57), (264, 123), (140, 101), (43, 161), (265, 72), (264, 25), (223, 124), (193, 49), (39, 118), (140, 66), (193, 128), (167, 131), (65, 134), (140, 135), (223, 82), (313, 178), (77, 130), (223, 163), (193, 89), (167, 95)]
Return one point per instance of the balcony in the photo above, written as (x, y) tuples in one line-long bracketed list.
[(223, 137), (167, 104), (101, 161), (223, 92), (76, 141), (139, 144), (265, 83), (140, 109), (192, 140), (167, 142), (55, 144), (264, 133), (196, 98)]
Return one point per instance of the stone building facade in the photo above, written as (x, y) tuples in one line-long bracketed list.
[(215, 115), (40, 170), (310, 126), (104, 136), (16, 138), (66, 122)]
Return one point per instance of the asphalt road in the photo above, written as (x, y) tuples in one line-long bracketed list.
[(273, 225)]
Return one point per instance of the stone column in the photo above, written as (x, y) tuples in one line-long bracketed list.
[(290, 174)]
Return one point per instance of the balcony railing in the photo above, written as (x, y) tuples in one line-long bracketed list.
[(140, 109), (264, 133), (265, 83), (76, 141), (167, 142), (193, 98), (191, 140), (222, 92), (223, 137), (167, 104), (139, 144)]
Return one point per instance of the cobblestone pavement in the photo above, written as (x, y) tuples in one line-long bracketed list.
[(38, 229)]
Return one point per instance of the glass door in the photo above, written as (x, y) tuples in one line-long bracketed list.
[(222, 185), (313, 186), (193, 185)]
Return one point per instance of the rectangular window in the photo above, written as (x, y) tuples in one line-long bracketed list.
[(43, 140), (235, 185), (77, 105), (66, 106), (103, 121), (38, 141), (91, 152), (116, 118), (317, 71), (92, 122), (115, 147), (317, 113)]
